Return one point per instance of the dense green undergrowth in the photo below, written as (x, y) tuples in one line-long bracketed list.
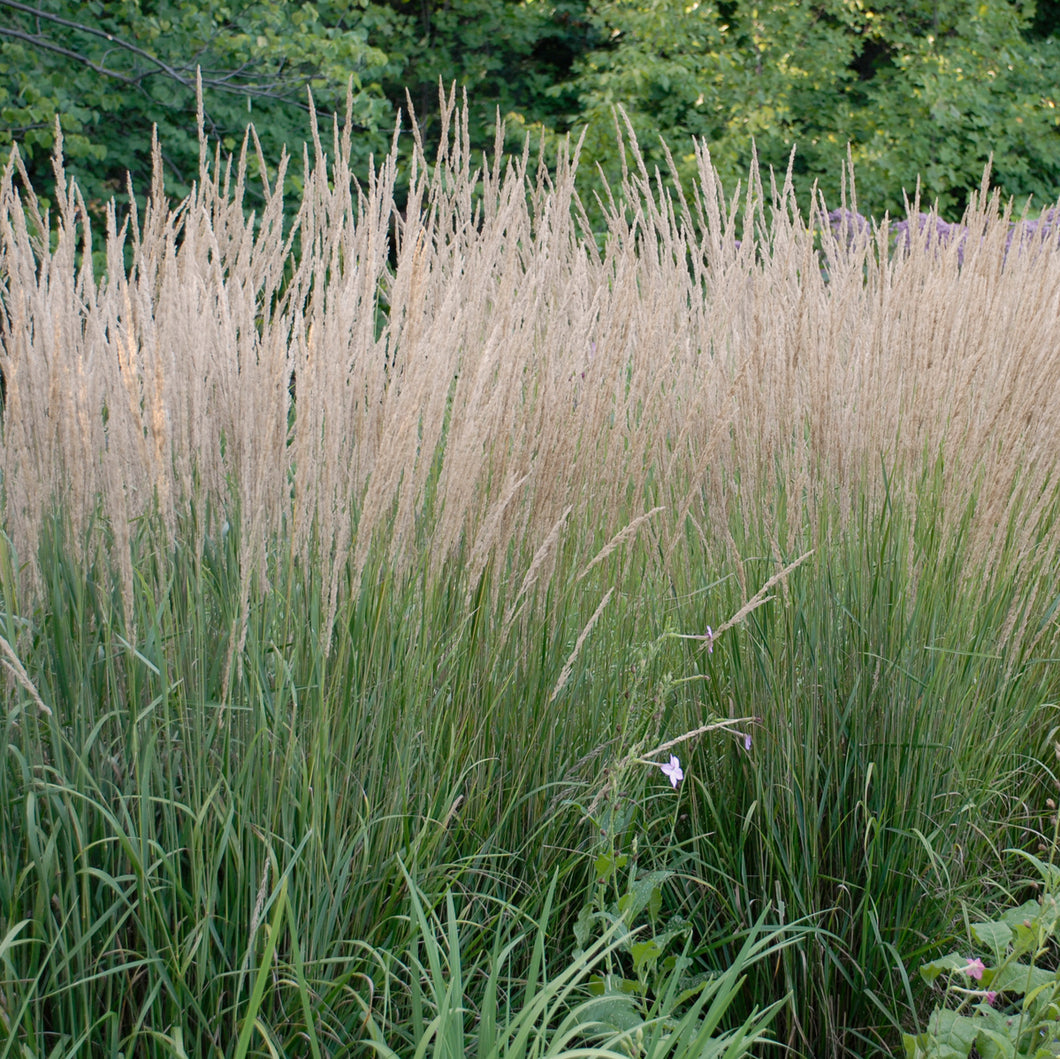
[(435, 816)]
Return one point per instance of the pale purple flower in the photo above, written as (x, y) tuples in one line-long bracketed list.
[(747, 741), (847, 226), (936, 233), (672, 770), (975, 968), (710, 640), (990, 997)]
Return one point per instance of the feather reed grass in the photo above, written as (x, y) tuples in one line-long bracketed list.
[(493, 343), (346, 562)]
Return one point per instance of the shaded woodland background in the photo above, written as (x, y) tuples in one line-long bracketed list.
[(927, 88)]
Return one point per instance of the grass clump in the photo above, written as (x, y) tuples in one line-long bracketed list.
[(356, 580)]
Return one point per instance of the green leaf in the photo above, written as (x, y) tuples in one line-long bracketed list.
[(1024, 914), (943, 965), (954, 1031), (642, 893), (995, 1043), (1019, 978), (924, 1046), (602, 985), (616, 1011), (995, 936), (261, 980), (608, 863), (645, 954)]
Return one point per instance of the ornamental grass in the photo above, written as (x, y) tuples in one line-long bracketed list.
[(357, 555)]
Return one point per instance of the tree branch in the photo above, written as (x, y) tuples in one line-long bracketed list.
[(277, 89), (187, 79), (47, 45), (36, 12)]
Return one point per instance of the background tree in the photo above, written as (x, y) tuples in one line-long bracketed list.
[(928, 87), (110, 69), (952, 83), (512, 56)]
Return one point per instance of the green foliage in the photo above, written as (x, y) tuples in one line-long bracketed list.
[(511, 57), (228, 823), (223, 859), (111, 71), (929, 90), (893, 713), (561, 1007), (651, 967), (682, 70), (1006, 1004), (961, 84)]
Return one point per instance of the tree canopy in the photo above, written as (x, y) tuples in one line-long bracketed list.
[(916, 88)]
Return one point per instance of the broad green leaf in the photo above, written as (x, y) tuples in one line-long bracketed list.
[(1018, 978), (995, 936), (943, 965), (924, 1046), (608, 863), (954, 1030)]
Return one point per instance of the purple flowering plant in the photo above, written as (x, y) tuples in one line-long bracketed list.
[(847, 227), (672, 770)]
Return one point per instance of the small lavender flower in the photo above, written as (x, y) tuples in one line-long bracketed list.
[(672, 771)]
